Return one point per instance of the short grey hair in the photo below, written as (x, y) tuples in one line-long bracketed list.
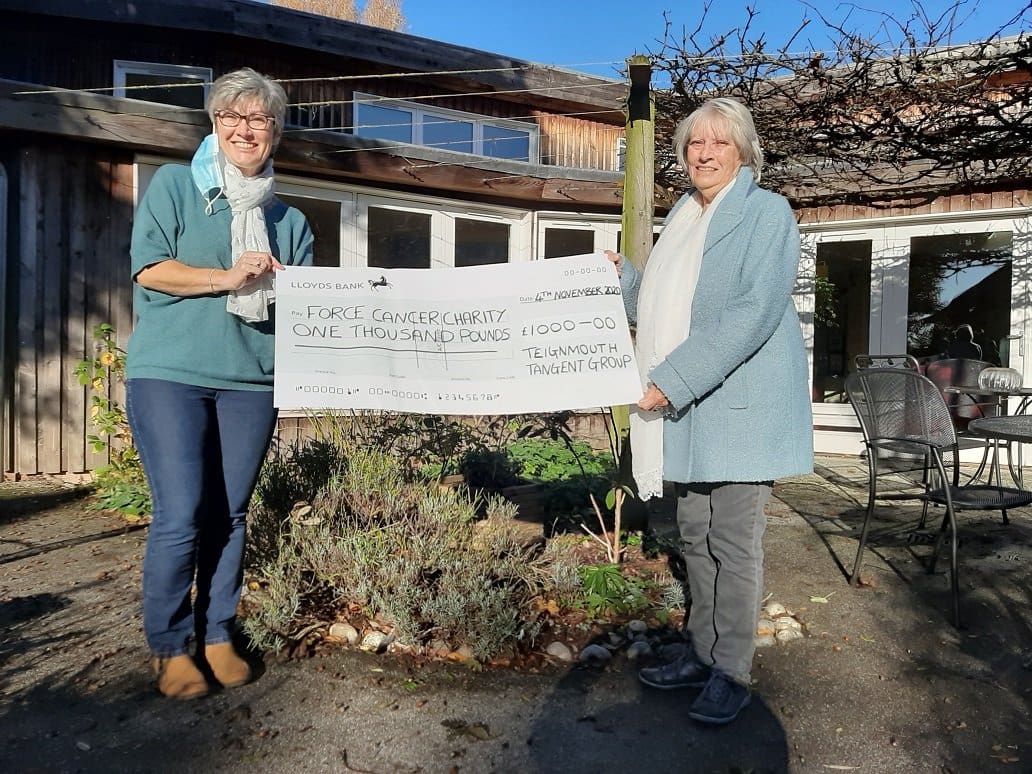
[(246, 84), (736, 119)]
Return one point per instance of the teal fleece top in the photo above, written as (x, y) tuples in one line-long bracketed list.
[(193, 339)]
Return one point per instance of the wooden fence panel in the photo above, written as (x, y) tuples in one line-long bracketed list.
[(74, 220), (75, 424), (25, 416)]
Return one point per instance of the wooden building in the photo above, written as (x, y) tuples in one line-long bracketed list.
[(460, 155), (403, 146)]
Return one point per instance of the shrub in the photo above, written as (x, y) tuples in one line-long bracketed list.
[(403, 551)]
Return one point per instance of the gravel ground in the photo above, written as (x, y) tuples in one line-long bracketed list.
[(881, 683)]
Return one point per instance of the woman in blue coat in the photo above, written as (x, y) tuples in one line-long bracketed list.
[(726, 408)]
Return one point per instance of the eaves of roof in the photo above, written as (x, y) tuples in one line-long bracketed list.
[(537, 83)]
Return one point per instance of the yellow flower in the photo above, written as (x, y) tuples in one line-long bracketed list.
[(107, 358), (98, 384), (94, 410)]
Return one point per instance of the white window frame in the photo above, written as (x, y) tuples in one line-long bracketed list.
[(123, 67), (442, 226), (605, 229), (419, 112), (890, 265)]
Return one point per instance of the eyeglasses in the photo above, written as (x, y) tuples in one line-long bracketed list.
[(257, 121)]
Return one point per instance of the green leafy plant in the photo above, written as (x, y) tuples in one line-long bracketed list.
[(572, 470), (608, 590), (120, 484)]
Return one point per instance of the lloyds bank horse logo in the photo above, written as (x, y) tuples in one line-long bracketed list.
[(379, 283)]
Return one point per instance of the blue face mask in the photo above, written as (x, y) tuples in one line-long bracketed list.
[(206, 169)]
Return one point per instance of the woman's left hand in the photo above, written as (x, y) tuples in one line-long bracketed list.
[(653, 399), (255, 263)]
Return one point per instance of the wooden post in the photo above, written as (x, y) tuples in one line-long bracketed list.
[(639, 164), (636, 230)]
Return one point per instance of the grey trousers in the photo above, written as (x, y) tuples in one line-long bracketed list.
[(721, 528)]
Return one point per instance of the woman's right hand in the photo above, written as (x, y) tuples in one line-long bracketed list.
[(616, 258)]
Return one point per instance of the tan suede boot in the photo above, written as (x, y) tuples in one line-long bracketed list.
[(179, 677), (228, 668)]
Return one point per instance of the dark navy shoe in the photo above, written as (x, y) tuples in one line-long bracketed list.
[(686, 671), (720, 701)]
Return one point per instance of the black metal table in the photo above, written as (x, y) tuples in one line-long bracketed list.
[(1024, 394), (1014, 428)]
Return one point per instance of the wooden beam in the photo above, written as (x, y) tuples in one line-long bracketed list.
[(151, 128)]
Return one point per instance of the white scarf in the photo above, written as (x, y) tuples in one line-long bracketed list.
[(247, 198), (664, 320)]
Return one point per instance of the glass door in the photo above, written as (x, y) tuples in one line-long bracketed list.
[(933, 289)]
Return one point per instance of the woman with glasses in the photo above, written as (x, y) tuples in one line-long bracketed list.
[(206, 241)]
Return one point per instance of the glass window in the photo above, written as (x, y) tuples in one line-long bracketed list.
[(503, 142), (841, 316), (448, 134), (479, 242), (436, 127), (398, 239), (156, 82), (619, 239), (959, 296), (324, 218), (621, 153), (568, 241), (383, 123)]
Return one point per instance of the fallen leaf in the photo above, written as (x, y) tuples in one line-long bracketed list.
[(822, 600), (456, 727)]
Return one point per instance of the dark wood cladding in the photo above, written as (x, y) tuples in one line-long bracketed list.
[(72, 267)]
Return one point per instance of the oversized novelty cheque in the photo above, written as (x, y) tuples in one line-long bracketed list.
[(503, 339)]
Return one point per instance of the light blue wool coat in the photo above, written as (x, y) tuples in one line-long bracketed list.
[(739, 380)]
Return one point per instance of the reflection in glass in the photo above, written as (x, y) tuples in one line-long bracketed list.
[(163, 92), (398, 239), (479, 242), (382, 122), (619, 239), (502, 142), (841, 315), (568, 241), (959, 296), (447, 134), (324, 219)]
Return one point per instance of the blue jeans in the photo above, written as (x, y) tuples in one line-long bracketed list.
[(202, 450)]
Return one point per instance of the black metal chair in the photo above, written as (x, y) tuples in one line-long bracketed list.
[(886, 361), (899, 408), (906, 458)]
